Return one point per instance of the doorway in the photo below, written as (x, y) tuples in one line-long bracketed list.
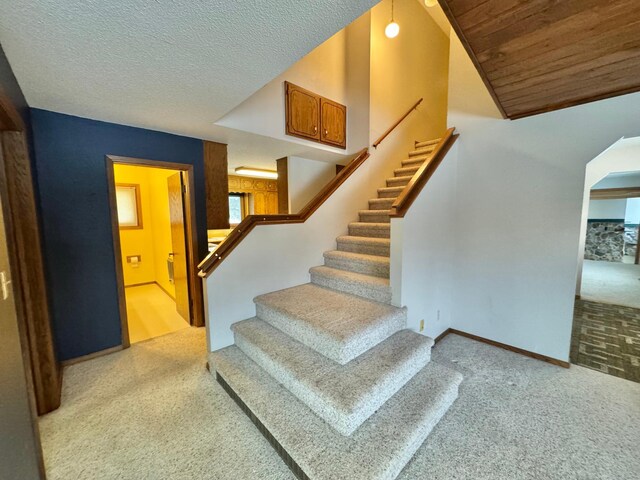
[(155, 246)]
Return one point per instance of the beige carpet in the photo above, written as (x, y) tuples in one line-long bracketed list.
[(154, 412), (151, 313), (611, 282)]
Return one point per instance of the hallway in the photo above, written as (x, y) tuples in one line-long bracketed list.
[(611, 282), (153, 411)]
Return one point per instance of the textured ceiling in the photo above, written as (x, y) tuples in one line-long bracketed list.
[(168, 65)]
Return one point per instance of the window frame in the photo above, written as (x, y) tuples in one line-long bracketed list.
[(243, 206), (136, 187)]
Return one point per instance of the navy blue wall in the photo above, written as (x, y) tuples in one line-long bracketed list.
[(72, 184)]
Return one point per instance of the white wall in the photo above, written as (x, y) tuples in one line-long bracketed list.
[(423, 254), (607, 209), (338, 69), (621, 180), (520, 193), (632, 214), (305, 179)]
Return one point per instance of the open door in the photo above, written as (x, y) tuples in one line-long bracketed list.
[(178, 242)]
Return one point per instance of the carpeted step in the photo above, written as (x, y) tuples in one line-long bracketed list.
[(428, 143), (378, 450), (390, 192), (406, 171), (365, 286), (365, 245), (373, 265), (370, 229), (335, 324), (398, 181), (381, 203), (374, 216), (415, 161), (344, 396)]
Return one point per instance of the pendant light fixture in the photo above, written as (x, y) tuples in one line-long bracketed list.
[(393, 28)]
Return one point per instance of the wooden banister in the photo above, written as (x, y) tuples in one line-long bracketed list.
[(401, 205), (392, 128), (215, 258)]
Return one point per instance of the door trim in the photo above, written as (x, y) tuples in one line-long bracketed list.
[(195, 284)]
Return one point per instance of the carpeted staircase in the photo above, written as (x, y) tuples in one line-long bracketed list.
[(328, 371)]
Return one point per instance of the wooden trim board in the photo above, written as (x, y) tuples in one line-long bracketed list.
[(614, 193), (504, 346), (215, 258), (91, 356)]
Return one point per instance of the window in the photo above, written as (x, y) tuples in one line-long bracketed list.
[(128, 203), (236, 208)]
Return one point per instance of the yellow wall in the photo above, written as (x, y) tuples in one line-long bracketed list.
[(404, 69), (153, 241)]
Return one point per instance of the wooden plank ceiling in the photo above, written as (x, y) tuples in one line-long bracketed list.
[(541, 55)]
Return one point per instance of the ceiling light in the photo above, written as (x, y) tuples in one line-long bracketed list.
[(430, 3), (257, 172), (393, 28)]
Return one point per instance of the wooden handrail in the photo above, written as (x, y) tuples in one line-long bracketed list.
[(401, 205), (215, 258), (392, 128)]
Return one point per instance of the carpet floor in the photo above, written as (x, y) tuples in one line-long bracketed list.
[(611, 282), (153, 412)]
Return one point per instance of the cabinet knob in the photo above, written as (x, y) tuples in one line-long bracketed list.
[(315, 129), (326, 132)]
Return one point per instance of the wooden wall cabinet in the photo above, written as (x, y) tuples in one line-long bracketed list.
[(313, 117), (263, 191)]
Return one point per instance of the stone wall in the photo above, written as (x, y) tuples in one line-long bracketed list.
[(630, 239), (605, 241)]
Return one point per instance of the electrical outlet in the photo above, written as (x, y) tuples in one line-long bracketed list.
[(421, 325)]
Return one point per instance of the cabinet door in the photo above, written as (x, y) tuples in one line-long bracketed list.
[(302, 112), (334, 123)]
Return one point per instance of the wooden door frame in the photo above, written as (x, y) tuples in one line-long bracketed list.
[(25, 250), (191, 238)]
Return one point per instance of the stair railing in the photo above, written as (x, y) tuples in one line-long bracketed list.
[(393, 127), (401, 205), (215, 258)]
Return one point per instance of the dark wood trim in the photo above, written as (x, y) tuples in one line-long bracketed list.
[(398, 122), (442, 335), (195, 284), (10, 119), (117, 253), (215, 258), (614, 193), (476, 63), (526, 353), (216, 180), (574, 103), (406, 198), (35, 305), (637, 262), (283, 184), (91, 356)]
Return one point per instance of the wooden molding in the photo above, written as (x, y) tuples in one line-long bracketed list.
[(216, 184), (614, 193), (406, 198), (504, 346), (398, 122), (90, 356), (283, 185), (215, 258), (34, 311), (10, 119)]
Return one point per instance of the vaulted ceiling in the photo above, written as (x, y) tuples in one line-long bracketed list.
[(541, 55)]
